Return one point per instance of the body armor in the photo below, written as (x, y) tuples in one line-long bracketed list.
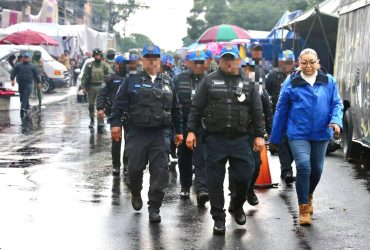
[(228, 109), (151, 104)]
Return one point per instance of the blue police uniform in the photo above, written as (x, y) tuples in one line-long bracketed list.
[(229, 105), (25, 72), (186, 84), (274, 82), (148, 109), (104, 101)]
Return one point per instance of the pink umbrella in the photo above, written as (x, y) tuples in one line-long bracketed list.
[(28, 37)]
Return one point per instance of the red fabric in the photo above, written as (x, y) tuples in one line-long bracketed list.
[(7, 92), (28, 37)]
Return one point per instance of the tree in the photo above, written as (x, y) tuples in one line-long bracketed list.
[(133, 41), (121, 12)]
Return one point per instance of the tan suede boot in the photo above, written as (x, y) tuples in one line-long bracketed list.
[(310, 208), (304, 215)]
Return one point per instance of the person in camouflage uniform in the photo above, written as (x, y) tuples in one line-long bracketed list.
[(91, 81)]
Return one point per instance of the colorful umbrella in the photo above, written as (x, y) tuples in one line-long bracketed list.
[(28, 37), (223, 33)]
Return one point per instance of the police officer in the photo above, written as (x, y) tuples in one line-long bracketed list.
[(133, 63), (229, 105), (91, 81), (167, 63), (186, 84), (36, 60), (104, 102), (26, 73), (110, 55), (274, 81), (248, 67), (149, 107)]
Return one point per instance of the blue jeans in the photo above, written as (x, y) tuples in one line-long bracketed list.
[(309, 159)]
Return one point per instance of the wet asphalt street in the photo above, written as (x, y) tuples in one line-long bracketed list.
[(57, 192)]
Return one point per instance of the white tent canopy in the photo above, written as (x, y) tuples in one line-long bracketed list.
[(75, 38)]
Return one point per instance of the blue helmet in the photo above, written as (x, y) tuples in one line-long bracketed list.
[(120, 59)]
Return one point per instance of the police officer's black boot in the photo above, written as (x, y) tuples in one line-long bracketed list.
[(219, 227), (154, 216), (252, 198), (116, 170), (239, 216), (185, 193), (91, 125), (136, 201), (202, 198), (288, 177)]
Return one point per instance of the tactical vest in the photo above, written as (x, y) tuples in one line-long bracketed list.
[(225, 111), (97, 73), (186, 91), (151, 105)]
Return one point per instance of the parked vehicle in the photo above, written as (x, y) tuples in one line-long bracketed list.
[(57, 74), (352, 71)]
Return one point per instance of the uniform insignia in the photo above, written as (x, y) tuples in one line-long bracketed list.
[(150, 48), (218, 82), (197, 53), (137, 85), (147, 85), (117, 81), (241, 98), (166, 88), (229, 47), (103, 85)]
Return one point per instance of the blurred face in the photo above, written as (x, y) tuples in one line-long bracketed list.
[(309, 64), (198, 67), (151, 64), (97, 57), (286, 66), (230, 65), (256, 54), (133, 65), (26, 59)]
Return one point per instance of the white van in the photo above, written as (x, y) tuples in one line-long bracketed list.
[(56, 72)]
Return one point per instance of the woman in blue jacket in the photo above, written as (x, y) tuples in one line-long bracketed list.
[(309, 111)]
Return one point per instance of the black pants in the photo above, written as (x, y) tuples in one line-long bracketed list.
[(285, 157), (186, 159), (24, 94), (143, 146), (116, 154), (238, 152)]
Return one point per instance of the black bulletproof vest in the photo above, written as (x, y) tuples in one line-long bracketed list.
[(225, 113), (187, 86), (150, 103)]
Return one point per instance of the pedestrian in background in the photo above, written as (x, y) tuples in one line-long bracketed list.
[(274, 82), (309, 112), (64, 59), (37, 61), (26, 73)]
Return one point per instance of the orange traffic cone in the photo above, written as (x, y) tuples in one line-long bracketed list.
[(264, 177)]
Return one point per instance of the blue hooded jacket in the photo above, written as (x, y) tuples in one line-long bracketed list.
[(304, 112)]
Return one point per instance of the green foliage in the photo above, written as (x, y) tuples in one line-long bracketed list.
[(134, 41)]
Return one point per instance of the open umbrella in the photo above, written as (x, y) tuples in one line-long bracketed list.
[(28, 37), (223, 33)]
